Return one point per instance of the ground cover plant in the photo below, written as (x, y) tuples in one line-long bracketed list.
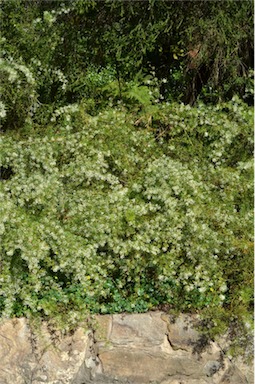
[(116, 195)]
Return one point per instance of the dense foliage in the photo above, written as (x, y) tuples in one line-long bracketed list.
[(100, 216), (202, 48), (116, 196)]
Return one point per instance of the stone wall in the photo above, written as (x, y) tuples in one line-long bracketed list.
[(151, 348)]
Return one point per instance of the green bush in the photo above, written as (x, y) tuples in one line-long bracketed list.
[(99, 216)]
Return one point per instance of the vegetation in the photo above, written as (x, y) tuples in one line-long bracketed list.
[(126, 167)]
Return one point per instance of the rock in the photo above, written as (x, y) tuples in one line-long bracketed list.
[(64, 359), (34, 357), (123, 349), (181, 334), (138, 329), (233, 376), (103, 329), (139, 366), (16, 352), (138, 350), (212, 352), (247, 368), (185, 381), (211, 367)]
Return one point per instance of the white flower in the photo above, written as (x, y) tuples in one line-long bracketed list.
[(37, 20), (47, 16), (13, 75), (202, 289), (223, 288), (2, 110)]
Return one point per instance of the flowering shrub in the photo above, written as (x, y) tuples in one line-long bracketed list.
[(18, 93), (102, 217)]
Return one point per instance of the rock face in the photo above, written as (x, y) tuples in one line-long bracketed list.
[(129, 348), (26, 357)]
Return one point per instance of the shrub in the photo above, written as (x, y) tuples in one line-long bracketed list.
[(99, 216)]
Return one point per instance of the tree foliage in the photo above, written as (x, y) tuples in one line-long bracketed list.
[(203, 48)]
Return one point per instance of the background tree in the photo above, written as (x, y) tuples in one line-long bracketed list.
[(202, 48)]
